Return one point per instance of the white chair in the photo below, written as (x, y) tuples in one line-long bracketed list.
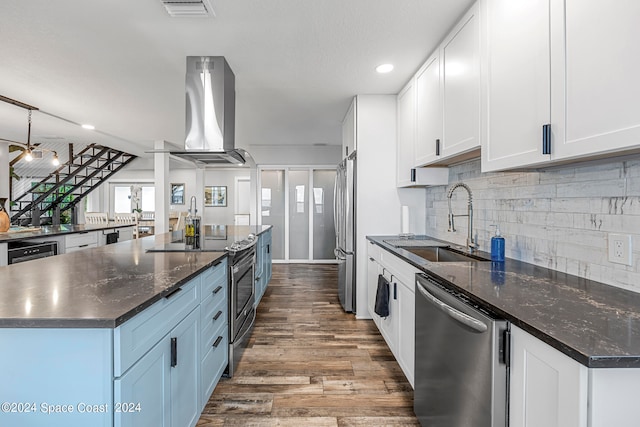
[(96, 218), (127, 218)]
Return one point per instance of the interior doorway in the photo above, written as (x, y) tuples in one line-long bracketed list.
[(298, 203)]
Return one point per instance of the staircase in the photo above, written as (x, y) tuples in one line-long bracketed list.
[(67, 185)]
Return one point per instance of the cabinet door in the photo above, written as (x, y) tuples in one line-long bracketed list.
[(428, 112), (406, 330), (147, 384), (349, 130), (389, 324), (460, 57), (372, 284), (547, 388), (600, 69), (517, 89), (125, 233), (267, 258), (406, 133), (185, 381)]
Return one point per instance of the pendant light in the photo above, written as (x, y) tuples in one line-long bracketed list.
[(28, 155)]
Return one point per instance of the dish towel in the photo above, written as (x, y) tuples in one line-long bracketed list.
[(382, 297)]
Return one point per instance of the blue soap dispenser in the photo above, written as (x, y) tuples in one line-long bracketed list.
[(497, 246)]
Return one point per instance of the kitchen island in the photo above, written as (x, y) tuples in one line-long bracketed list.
[(68, 237), (575, 343), (114, 335)]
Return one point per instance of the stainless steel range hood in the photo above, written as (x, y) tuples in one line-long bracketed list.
[(210, 113)]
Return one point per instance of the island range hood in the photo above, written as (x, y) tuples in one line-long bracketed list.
[(210, 113)]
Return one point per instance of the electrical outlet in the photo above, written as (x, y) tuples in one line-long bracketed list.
[(620, 249)]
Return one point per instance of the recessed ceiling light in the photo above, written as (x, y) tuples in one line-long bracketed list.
[(88, 127), (384, 68)]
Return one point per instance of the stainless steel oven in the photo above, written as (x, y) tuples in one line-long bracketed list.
[(26, 250), (242, 313)]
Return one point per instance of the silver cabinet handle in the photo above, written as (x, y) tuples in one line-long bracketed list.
[(457, 315)]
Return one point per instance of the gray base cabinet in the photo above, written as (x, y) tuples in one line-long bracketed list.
[(158, 368), (263, 265)]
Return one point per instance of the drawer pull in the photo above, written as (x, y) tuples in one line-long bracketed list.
[(174, 352), (218, 289), (217, 315), (215, 344), (83, 246), (172, 293)]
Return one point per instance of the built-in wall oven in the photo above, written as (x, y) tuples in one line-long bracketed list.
[(461, 360), (242, 313), (27, 250)]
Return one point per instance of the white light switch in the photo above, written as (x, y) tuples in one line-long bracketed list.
[(620, 250)]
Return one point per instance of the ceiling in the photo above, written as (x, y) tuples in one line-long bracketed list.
[(120, 65)]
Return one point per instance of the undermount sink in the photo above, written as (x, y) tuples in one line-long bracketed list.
[(444, 254)]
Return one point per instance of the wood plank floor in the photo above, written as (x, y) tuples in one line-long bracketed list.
[(310, 364)]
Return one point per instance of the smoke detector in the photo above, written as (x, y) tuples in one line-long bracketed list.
[(188, 8)]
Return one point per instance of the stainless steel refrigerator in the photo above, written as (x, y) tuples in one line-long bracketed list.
[(344, 214)]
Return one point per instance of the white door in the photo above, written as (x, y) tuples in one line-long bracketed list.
[(601, 76), (428, 112), (547, 388), (243, 201), (517, 95), (406, 133), (460, 57)]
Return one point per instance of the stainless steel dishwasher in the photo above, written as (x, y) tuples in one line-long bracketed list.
[(461, 360)]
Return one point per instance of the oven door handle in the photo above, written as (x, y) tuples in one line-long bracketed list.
[(457, 315), (243, 263)]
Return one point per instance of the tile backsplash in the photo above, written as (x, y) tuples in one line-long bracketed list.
[(559, 217)]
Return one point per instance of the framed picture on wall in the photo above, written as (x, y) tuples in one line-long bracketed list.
[(177, 194), (215, 196)]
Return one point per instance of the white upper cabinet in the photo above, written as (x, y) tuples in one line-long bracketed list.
[(600, 72), (406, 133), (460, 83), (517, 84), (448, 96), (428, 112), (560, 81), (349, 130)]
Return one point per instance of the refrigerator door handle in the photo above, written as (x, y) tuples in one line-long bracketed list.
[(335, 205)]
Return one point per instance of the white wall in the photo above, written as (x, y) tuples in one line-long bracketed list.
[(225, 177), (296, 155), (557, 218)]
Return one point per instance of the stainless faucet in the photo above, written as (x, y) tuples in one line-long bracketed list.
[(192, 206), (470, 243)]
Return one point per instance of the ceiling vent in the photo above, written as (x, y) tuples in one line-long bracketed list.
[(188, 8)]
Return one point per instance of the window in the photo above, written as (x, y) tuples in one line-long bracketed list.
[(127, 197)]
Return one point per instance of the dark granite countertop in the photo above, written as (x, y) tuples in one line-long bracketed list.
[(213, 238), (95, 288), (54, 230), (596, 324)]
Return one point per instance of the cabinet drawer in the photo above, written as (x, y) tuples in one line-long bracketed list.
[(404, 271), (212, 367), (373, 250), (68, 250), (214, 278), (139, 334), (212, 318), (80, 239)]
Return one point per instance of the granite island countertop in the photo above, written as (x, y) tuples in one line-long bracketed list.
[(95, 288), (55, 230), (596, 324)]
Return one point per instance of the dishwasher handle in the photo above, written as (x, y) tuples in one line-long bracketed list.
[(457, 315)]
